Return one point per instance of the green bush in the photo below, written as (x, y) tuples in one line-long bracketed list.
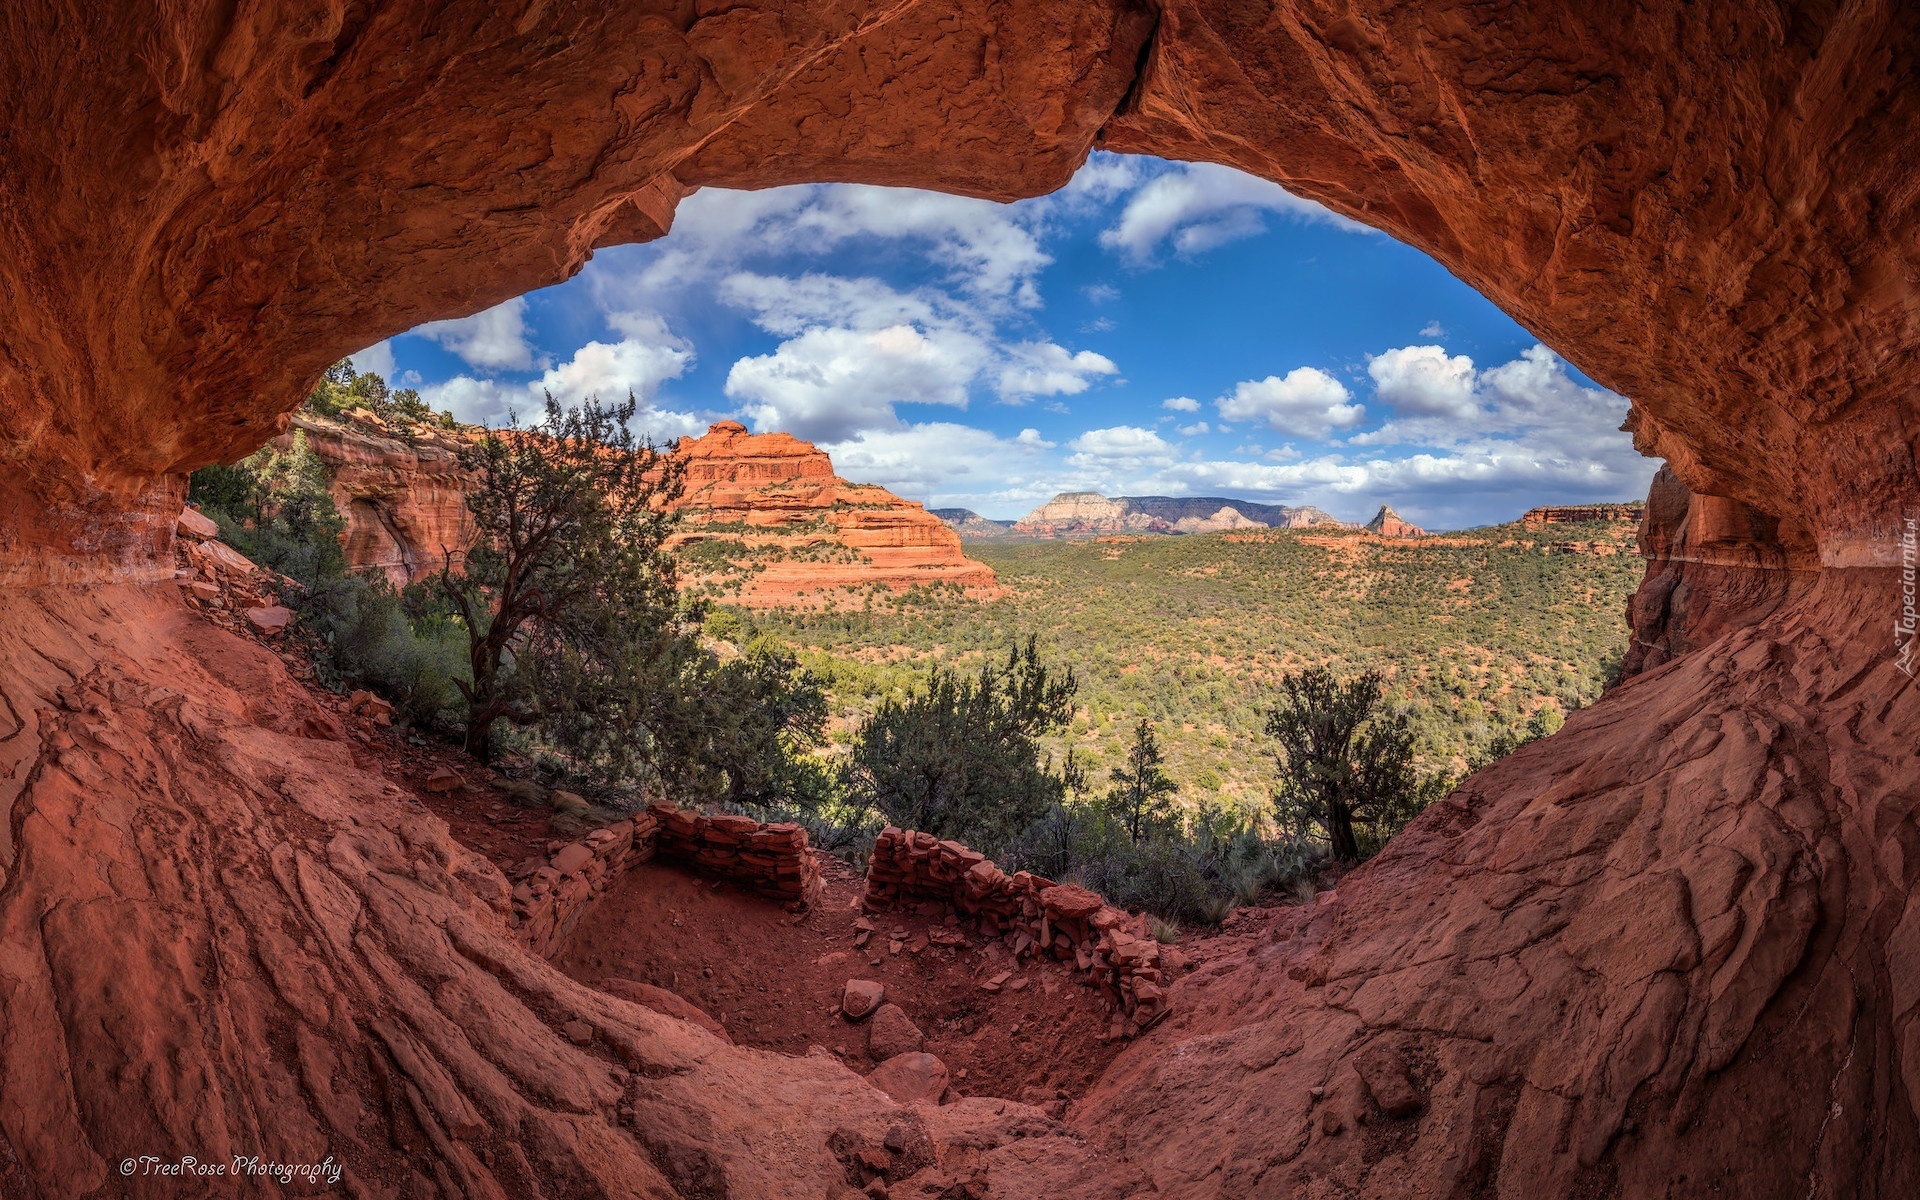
[(274, 507), (961, 757), (1194, 873)]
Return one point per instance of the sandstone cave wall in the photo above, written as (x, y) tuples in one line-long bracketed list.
[(1667, 951)]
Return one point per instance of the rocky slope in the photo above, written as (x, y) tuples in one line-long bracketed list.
[(1667, 951), (766, 521), (1090, 514)]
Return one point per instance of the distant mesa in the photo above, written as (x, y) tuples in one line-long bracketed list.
[(971, 526), (765, 521), (1388, 523), (1090, 514), (1575, 514)]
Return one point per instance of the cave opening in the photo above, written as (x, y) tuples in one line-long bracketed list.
[(1666, 950)]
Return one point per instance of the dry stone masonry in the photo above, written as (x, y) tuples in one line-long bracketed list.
[(550, 893), (1109, 948)]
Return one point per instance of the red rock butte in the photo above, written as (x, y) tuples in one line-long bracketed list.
[(1672, 950), (767, 522)]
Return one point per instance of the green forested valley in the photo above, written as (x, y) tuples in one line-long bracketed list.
[(1478, 633)]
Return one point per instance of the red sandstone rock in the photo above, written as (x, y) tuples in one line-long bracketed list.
[(1560, 514), (1713, 565), (387, 1016), (891, 1033), (661, 1000), (404, 500), (1387, 523), (812, 531), (1711, 212), (572, 857), (444, 779), (1066, 900), (273, 618), (192, 524), (860, 997), (221, 558), (915, 1078)]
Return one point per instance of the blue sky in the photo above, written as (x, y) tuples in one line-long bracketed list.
[(1152, 328)]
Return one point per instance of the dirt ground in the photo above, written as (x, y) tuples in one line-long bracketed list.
[(774, 980)]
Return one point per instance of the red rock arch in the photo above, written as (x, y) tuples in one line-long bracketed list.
[(1669, 949)]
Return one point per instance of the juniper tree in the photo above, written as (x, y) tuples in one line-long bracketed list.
[(568, 590), (1343, 758), (960, 758), (1141, 797)]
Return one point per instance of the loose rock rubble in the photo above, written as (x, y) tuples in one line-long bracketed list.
[(224, 584)]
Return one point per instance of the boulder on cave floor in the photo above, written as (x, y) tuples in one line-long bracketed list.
[(913, 1078), (860, 997), (892, 1033)]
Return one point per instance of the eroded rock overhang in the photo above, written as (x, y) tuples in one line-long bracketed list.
[(1710, 212)]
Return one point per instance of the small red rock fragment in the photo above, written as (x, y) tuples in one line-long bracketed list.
[(860, 997)]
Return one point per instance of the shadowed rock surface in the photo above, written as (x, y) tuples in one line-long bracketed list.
[(1670, 950)]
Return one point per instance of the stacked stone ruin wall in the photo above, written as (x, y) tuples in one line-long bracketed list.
[(551, 892), (1108, 948)]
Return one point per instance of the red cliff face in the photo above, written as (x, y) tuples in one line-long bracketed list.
[(1668, 951), (1564, 514), (766, 521), (404, 501)]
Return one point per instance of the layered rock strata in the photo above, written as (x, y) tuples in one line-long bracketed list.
[(1713, 565), (1567, 514), (766, 521), (1037, 916), (404, 498)]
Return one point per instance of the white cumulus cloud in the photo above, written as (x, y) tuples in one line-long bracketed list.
[(640, 362), (377, 359), (1185, 404), (494, 340), (828, 384), (1424, 381), (942, 463), (1046, 369), (1307, 403), (1198, 206)]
